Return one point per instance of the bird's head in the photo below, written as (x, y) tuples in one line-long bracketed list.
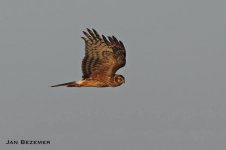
[(119, 79)]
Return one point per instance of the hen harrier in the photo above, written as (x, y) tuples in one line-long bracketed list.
[(103, 57)]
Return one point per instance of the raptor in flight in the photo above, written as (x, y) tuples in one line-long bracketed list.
[(103, 57)]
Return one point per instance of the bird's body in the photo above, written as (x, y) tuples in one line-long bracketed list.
[(90, 82), (103, 57)]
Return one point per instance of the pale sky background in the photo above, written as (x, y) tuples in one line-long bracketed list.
[(175, 92)]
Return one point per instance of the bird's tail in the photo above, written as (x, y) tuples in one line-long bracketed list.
[(68, 84)]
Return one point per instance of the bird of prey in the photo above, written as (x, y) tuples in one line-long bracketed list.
[(103, 57)]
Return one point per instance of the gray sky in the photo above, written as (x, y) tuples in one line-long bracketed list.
[(174, 96)]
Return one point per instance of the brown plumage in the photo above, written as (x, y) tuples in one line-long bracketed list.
[(103, 57)]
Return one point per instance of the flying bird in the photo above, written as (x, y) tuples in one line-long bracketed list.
[(103, 57)]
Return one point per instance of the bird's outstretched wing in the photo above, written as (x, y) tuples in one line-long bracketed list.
[(103, 56)]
